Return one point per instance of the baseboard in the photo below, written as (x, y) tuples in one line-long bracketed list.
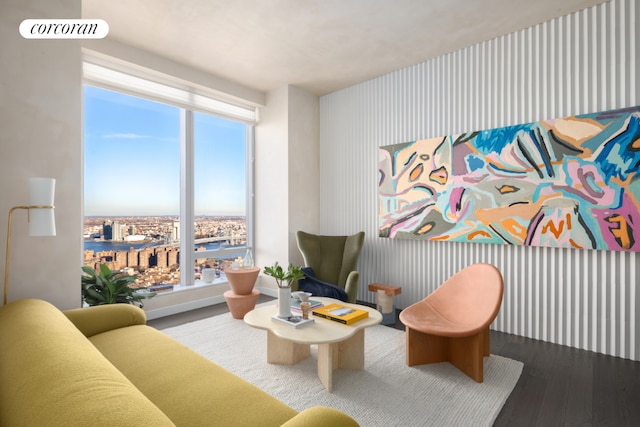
[(269, 292), (181, 308), (199, 303)]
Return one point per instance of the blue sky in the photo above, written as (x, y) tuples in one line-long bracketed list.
[(132, 158)]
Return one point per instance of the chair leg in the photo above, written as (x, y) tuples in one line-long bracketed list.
[(425, 348), (487, 342), (466, 354)]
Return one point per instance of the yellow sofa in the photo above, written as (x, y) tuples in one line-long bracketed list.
[(102, 366)]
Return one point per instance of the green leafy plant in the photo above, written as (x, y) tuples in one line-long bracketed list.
[(283, 277), (110, 287)]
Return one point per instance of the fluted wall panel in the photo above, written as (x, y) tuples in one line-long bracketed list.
[(580, 63)]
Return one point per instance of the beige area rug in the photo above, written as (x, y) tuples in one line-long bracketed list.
[(386, 393)]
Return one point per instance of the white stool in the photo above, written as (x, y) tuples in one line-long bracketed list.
[(384, 301)]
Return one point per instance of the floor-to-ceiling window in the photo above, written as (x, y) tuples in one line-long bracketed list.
[(220, 189), (167, 185)]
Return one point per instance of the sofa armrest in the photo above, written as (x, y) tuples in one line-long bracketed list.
[(321, 416), (102, 318), (351, 286)]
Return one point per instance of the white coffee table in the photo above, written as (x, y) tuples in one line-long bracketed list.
[(339, 346)]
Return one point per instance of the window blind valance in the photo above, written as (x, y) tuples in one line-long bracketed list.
[(183, 97)]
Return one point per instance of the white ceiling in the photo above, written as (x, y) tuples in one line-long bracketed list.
[(319, 45)]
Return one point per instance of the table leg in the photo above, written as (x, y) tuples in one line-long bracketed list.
[(284, 352), (327, 358), (348, 354)]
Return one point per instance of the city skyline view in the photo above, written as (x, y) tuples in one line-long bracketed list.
[(148, 228), (154, 253), (132, 159)]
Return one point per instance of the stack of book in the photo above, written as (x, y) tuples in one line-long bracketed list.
[(341, 313), (295, 305)]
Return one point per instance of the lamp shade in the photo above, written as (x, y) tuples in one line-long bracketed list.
[(41, 220)]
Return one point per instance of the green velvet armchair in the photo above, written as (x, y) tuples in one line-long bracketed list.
[(334, 259)]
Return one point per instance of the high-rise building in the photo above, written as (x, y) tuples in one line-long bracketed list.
[(117, 231), (175, 235), (107, 230)]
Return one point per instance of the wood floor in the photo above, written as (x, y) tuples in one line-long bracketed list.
[(559, 386)]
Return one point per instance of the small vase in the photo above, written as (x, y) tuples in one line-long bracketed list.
[(247, 262), (284, 302)]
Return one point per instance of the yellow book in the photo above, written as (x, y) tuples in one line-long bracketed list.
[(341, 313)]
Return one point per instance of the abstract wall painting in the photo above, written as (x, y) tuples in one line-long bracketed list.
[(572, 182)]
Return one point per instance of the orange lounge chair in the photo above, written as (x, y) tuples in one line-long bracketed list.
[(452, 323)]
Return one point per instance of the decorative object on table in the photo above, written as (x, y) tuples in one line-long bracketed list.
[(384, 301), (111, 287), (332, 263), (452, 323), (241, 298), (39, 215), (305, 307), (301, 296), (568, 182), (284, 302), (284, 279), (293, 321), (208, 275), (341, 313)]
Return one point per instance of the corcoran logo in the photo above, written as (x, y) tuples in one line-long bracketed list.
[(64, 29)]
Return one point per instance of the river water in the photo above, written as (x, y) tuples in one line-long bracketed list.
[(102, 246)]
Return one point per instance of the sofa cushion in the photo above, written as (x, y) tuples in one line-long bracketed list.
[(189, 388), (51, 375)]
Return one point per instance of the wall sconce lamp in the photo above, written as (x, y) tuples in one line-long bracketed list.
[(39, 215)]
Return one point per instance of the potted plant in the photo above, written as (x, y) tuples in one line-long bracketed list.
[(284, 279), (110, 287)]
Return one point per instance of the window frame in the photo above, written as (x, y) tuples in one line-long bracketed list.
[(126, 80)]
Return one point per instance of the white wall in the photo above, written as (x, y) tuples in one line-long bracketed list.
[(271, 189), (287, 173), (586, 62), (304, 166), (41, 135)]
